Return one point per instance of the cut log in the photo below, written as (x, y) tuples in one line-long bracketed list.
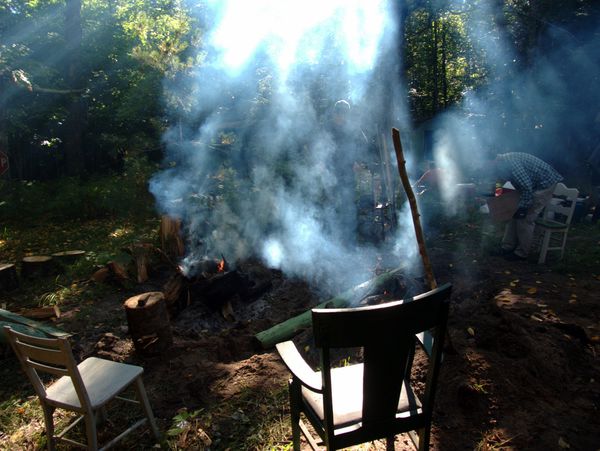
[(148, 322), (51, 311), (287, 329), (37, 266), (118, 271), (68, 257), (101, 275), (8, 277), (171, 240)]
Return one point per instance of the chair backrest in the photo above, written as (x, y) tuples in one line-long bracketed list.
[(562, 206), (387, 334), (47, 355)]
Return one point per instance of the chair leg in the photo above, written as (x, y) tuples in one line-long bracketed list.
[(564, 243), (544, 247), (49, 421), (295, 393), (389, 443), (90, 430), (141, 393), (424, 438)]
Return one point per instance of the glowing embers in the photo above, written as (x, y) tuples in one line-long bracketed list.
[(221, 265)]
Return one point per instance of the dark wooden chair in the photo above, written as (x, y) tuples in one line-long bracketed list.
[(354, 404)]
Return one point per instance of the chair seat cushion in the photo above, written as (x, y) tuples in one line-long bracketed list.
[(550, 224), (347, 394), (102, 378)]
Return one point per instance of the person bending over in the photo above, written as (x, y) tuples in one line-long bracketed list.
[(535, 180)]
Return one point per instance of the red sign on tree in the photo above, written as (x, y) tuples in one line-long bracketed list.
[(3, 162)]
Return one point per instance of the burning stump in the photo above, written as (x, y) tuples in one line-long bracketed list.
[(215, 284), (148, 322)]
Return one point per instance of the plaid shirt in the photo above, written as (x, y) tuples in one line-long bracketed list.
[(528, 174)]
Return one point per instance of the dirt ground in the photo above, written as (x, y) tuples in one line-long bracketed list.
[(524, 373)]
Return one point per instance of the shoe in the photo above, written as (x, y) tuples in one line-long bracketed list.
[(512, 257), (501, 252)]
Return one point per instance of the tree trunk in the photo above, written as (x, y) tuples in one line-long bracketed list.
[(434, 65), (444, 71), (171, 240), (76, 111), (4, 127)]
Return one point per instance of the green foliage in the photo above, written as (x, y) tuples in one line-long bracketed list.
[(119, 195), (441, 58)]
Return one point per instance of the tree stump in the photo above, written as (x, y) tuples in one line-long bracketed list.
[(8, 277), (68, 257), (142, 254), (37, 265), (149, 324), (170, 237)]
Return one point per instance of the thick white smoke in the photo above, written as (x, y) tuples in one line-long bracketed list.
[(282, 189)]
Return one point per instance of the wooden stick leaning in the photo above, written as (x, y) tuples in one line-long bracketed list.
[(413, 208), (417, 224)]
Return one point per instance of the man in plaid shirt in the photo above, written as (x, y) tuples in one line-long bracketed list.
[(535, 180)]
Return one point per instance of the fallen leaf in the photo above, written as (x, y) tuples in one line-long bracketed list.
[(562, 443), (532, 290), (471, 331)]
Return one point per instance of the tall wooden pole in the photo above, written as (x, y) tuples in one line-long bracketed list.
[(413, 208)]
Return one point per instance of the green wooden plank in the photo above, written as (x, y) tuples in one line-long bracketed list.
[(11, 317)]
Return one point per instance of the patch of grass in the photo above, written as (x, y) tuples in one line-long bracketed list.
[(254, 419), (582, 250)]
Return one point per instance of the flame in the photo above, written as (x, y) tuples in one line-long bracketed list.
[(221, 265)]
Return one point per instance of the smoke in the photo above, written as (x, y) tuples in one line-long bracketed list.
[(259, 162), (542, 103)]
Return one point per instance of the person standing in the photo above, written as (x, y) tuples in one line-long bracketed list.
[(535, 180)]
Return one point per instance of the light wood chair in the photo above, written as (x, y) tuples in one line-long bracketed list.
[(554, 223), (85, 388), (354, 404)]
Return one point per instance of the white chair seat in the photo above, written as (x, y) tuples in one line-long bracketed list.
[(347, 395), (103, 379)]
